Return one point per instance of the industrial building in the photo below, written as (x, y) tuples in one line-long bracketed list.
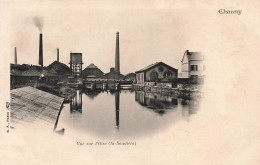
[(59, 68), (76, 64), (130, 77), (155, 72), (24, 75), (92, 72), (113, 75)]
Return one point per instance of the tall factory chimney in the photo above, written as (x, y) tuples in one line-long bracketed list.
[(117, 60), (58, 53), (15, 56), (41, 51)]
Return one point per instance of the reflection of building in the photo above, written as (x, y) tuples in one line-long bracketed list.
[(76, 64), (192, 65), (155, 101), (117, 101), (155, 72), (76, 103), (92, 93), (190, 106)]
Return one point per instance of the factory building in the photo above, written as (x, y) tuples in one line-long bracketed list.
[(92, 72), (155, 72), (130, 77), (114, 75), (76, 64), (59, 68)]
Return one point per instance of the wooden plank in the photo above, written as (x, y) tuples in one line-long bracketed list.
[(30, 105)]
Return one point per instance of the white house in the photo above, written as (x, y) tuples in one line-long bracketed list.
[(192, 65)]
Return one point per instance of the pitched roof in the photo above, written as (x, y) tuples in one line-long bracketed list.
[(92, 66), (153, 65), (192, 56), (148, 67), (58, 63), (129, 74)]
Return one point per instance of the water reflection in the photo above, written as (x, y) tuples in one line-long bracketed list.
[(92, 93), (191, 106), (76, 103), (158, 102), (117, 99), (135, 112)]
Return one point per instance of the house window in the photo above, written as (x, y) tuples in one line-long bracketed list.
[(204, 67), (194, 67)]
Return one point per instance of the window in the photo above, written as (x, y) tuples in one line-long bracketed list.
[(154, 76), (194, 76), (204, 67), (161, 69), (167, 74), (194, 67)]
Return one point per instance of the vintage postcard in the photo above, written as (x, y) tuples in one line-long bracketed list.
[(129, 82)]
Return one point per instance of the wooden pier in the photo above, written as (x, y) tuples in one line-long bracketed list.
[(32, 106)]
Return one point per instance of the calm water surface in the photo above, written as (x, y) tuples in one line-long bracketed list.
[(123, 113)]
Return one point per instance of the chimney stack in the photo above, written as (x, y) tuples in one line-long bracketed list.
[(58, 55), (15, 56), (117, 59), (41, 51)]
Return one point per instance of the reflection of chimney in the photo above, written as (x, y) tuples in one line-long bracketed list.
[(40, 51), (117, 100), (117, 60), (58, 55), (15, 56)]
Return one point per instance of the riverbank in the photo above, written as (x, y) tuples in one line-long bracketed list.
[(187, 91), (63, 91)]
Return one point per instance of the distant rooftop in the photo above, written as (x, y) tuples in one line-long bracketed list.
[(153, 65), (147, 67), (92, 66), (193, 55)]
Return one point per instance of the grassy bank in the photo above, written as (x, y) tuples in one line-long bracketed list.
[(65, 91)]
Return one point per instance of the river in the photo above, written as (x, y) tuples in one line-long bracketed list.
[(123, 113)]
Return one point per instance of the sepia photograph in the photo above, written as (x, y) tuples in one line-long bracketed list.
[(129, 82)]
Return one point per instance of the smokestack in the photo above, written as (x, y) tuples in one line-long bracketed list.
[(117, 60), (58, 55), (15, 56), (70, 63), (41, 51)]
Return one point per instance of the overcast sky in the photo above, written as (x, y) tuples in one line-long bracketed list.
[(148, 32)]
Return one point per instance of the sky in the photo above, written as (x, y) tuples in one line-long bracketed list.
[(149, 33)]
